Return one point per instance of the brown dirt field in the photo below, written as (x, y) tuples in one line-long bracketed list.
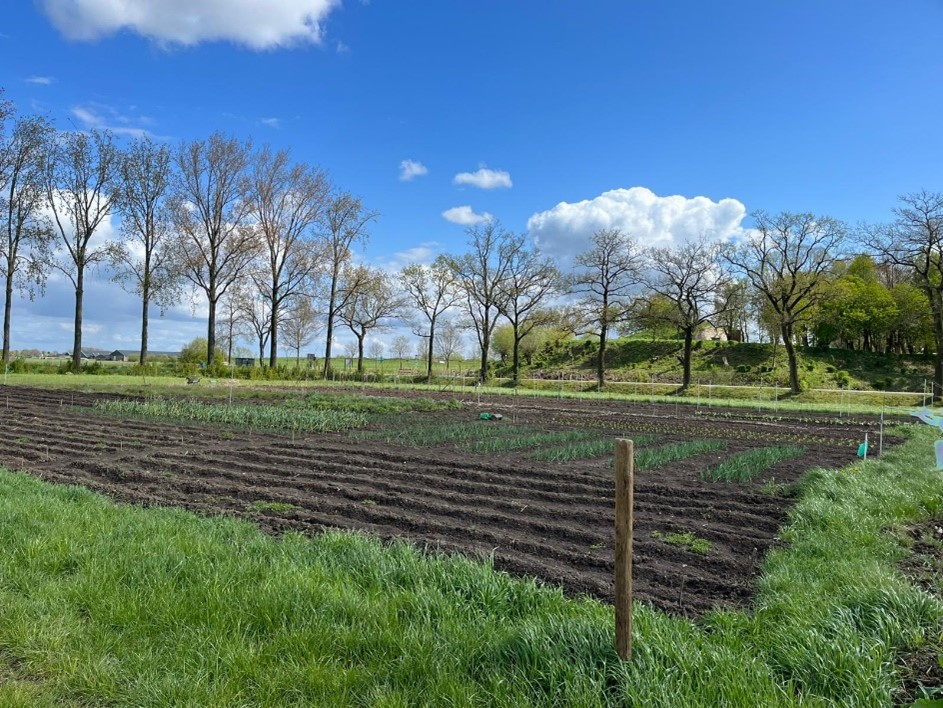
[(544, 519)]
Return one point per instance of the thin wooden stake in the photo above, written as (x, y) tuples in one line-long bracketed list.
[(625, 474)]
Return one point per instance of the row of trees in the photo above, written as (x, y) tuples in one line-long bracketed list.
[(270, 242)]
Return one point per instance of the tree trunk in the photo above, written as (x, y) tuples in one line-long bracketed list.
[(516, 358), (790, 348), (686, 362), (77, 338), (7, 313), (485, 345), (601, 359), (145, 298), (273, 332), (360, 338), (330, 327), (211, 334), (431, 344)]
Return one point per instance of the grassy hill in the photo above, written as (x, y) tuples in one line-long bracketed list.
[(733, 363)]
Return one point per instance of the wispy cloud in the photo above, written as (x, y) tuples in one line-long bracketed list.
[(484, 179), (465, 216), (271, 122), (342, 48), (102, 117), (410, 169), (41, 80)]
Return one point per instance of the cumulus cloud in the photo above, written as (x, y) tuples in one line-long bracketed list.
[(410, 169), (465, 216), (564, 230), (257, 24), (484, 179), (41, 80)]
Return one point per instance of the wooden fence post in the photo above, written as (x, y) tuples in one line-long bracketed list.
[(624, 491)]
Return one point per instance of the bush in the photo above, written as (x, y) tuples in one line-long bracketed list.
[(842, 378)]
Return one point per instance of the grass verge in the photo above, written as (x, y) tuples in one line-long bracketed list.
[(118, 605), (744, 466)]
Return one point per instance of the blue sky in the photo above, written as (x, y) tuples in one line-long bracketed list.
[(666, 119)]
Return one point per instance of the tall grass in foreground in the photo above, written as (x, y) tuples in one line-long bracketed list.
[(248, 417), (744, 466), (108, 604)]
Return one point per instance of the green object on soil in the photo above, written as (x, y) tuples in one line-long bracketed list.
[(490, 416)]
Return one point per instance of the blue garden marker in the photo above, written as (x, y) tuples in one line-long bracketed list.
[(863, 448), (927, 417)]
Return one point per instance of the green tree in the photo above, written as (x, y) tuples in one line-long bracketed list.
[(786, 261)]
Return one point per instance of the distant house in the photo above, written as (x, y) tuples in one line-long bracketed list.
[(709, 333), (93, 354), (135, 355)]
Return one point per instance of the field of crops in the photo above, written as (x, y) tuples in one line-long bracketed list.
[(533, 491)]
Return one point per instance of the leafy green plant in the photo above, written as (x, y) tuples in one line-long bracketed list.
[(262, 506), (687, 539)]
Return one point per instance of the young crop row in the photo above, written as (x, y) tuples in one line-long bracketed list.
[(746, 465), (360, 403), (455, 433), (247, 417), (587, 449)]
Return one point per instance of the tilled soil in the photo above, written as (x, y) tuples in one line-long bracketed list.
[(544, 519)]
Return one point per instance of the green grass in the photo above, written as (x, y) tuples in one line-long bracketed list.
[(587, 449), (117, 605), (688, 540), (263, 506), (744, 466), (247, 417)]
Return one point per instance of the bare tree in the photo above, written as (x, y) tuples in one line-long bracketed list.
[(372, 303), (346, 221), (208, 208), (449, 342), (432, 290), (480, 274), (400, 346), (609, 271), (690, 278), (27, 233), (288, 202), (530, 280), (787, 260), (256, 318), (375, 350), (143, 262), (914, 240), (301, 325), (229, 322), (81, 184)]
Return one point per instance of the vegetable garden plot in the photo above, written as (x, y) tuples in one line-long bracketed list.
[(549, 519)]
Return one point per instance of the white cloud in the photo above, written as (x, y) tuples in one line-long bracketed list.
[(484, 178), (257, 24), (564, 230), (102, 117), (423, 254), (41, 80), (465, 216), (410, 169), (342, 48), (271, 122)]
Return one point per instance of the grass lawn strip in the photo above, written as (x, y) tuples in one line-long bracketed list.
[(103, 603)]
